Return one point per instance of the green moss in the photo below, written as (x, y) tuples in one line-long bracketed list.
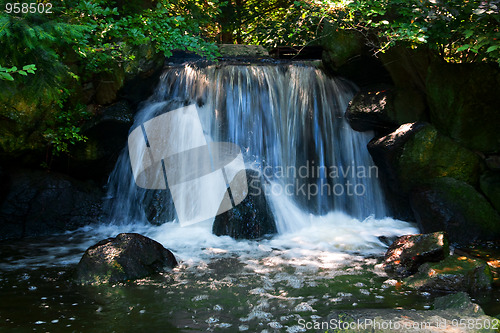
[(452, 274), (428, 155), (463, 100), (341, 45)]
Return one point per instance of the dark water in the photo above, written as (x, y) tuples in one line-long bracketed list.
[(222, 291)]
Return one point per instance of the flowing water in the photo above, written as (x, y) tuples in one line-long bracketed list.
[(324, 193)]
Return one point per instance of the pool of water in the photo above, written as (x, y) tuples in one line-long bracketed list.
[(220, 284)]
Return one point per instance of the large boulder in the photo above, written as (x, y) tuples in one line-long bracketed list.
[(128, 256), (408, 253), (453, 274), (250, 219), (456, 207), (416, 153), (464, 100), (41, 203)]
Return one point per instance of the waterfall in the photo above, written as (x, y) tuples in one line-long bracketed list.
[(289, 122)]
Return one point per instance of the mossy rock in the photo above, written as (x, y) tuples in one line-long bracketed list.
[(456, 207), (464, 103), (340, 45), (407, 253), (128, 256), (458, 301), (452, 274), (428, 155)]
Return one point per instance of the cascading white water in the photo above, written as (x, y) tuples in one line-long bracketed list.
[(289, 122)]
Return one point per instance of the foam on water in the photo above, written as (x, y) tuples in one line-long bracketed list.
[(326, 241)]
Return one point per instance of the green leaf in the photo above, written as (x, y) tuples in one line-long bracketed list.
[(6, 76), (492, 48), (463, 48), (23, 73)]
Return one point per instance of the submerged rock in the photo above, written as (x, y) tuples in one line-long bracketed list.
[(407, 253), (127, 256), (457, 208), (452, 274), (252, 218), (458, 301)]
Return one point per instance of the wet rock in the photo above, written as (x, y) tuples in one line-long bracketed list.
[(457, 208), (107, 86), (463, 100), (407, 253), (493, 162), (127, 256), (252, 218), (385, 152), (458, 301), (41, 203), (159, 206), (451, 275), (4, 184)]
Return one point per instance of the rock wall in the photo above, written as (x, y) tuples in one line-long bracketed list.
[(437, 137)]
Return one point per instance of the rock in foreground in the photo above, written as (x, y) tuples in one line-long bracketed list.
[(451, 275), (127, 256), (407, 253)]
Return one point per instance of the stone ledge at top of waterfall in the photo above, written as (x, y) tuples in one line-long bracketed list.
[(203, 178)]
